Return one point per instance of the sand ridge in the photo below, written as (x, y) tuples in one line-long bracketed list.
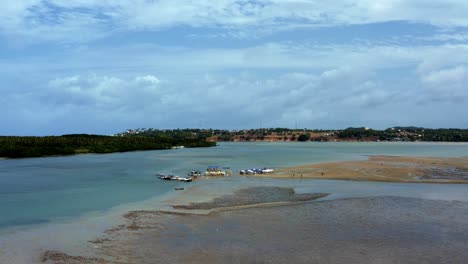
[(384, 169)]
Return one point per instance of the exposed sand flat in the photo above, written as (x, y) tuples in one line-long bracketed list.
[(384, 169), (356, 230), (252, 196)]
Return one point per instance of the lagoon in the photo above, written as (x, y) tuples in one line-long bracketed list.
[(39, 195), (39, 190)]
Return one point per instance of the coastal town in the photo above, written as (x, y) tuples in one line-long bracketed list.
[(351, 134)]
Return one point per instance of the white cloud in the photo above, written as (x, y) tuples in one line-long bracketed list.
[(83, 20), (456, 37), (148, 79), (103, 92), (331, 98), (451, 83)]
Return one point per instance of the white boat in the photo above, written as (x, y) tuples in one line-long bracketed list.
[(174, 178), (185, 179), (194, 173), (256, 171), (216, 171), (164, 177)]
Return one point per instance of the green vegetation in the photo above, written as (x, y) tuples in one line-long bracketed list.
[(21, 147), (152, 139), (406, 134), (303, 137), (348, 134)]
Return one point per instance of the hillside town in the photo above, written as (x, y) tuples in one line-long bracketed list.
[(363, 134)]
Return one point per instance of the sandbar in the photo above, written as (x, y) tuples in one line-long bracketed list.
[(384, 169), (386, 229)]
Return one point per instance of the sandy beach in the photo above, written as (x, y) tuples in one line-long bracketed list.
[(288, 230), (384, 169)]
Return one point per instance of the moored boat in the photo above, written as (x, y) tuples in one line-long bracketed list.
[(217, 171), (256, 171), (185, 179), (174, 178), (194, 173), (165, 177)]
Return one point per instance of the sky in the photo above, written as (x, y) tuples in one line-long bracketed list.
[(104, 66)]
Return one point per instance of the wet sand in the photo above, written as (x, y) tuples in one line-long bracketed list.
[(253, 196), (384, 169), (385, 229)]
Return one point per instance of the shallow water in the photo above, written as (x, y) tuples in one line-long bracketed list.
[(72, 195), (34, 191), (360, 230)]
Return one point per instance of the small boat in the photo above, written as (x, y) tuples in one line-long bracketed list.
[(216, 171), (256, 171), (165, 177), (177, 147), (174, 178), (265, 170), (179, 189), (194, 173), (184, 179)]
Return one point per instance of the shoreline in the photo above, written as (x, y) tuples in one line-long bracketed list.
[(259, 141), (93, 153), (346, 141), (383, 168)]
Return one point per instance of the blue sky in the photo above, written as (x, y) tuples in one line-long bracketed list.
[(101, 66)]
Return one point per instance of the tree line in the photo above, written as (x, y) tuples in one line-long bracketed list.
[(21, 147)]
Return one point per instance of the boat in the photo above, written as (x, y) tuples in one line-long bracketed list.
[(165, 177), (177, 147), (174, 178), (216, 171), (194, 173), (256, 171), (184, 179)]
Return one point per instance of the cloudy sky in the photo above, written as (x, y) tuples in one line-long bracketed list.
[(103, 66)]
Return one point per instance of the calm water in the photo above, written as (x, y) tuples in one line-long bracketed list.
[(41, 190)]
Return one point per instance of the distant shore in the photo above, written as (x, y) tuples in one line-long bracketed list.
[(384, 169)]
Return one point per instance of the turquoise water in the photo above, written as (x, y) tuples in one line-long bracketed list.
[(40, 190)]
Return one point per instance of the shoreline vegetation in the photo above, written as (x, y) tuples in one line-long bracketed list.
[(27, 147), (383, 169), (155, 139), (352, 134)]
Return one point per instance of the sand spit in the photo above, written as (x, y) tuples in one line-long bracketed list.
[(384, 169), (384, 229), (253, 196)]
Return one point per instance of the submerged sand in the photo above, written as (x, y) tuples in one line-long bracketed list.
[(355, 230), (253, 196), (384, 169)]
